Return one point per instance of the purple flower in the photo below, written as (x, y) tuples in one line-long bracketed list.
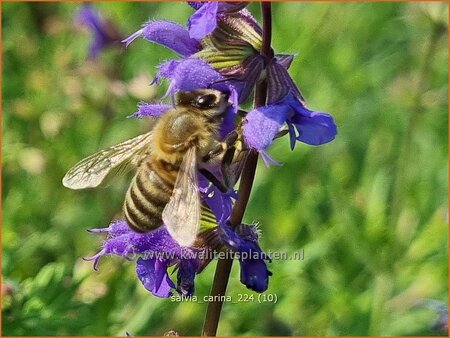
[(150, 110), (233, 50), (219, 203), (157, 252), (261, 124), (185, 42), (103, 31), (190, 74), (311, 127), (204, 20), (244, 242), (220, 49), (186, 74), (167, 34), (441, 323), (279, 82), (152, 272), (241, 66), (440, 308)]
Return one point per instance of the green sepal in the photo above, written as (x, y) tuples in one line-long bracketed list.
[(232, 42), (235, 29), (207, 219), (223, 59)]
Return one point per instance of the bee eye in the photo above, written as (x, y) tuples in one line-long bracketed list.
[(206, 101)]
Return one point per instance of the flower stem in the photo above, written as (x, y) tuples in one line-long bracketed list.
[(223, 268)]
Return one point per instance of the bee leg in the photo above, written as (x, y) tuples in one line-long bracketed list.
[(217, 150), (222, 147), (214, 180), (228, 180), (227, 160)]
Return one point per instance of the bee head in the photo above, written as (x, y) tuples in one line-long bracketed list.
[(204, 99)]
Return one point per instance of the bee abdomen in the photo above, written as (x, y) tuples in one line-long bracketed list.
[(145, 201)]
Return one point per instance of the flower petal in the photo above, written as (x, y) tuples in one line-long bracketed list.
[(236, 29), (285, 59), (103, 32), (165, 70), (236, 242), (168, 34), (314, 128), (249, 19), (219, 203), (268, 160), (158, 251), (196, 4), (254, 274), (279, 83), (249, 232), (253, 67), (88, 16), (185, 278), (225, 6), (262, 124), (153, 275), (150, 110), (292, 135), (122, 241), (97, 45), (192, 73), (96, 258), (203, 21), (118, 228), (158, 240)]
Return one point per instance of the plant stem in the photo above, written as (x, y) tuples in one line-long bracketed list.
[(223, 268)]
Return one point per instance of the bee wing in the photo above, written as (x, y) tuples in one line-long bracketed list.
[(182, 214), (91, 171)]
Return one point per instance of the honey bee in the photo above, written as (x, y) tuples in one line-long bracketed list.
[(183, 142)]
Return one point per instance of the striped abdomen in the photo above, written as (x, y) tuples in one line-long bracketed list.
[(148, 194)]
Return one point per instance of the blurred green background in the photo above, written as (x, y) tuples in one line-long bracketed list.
[(369, 209)]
